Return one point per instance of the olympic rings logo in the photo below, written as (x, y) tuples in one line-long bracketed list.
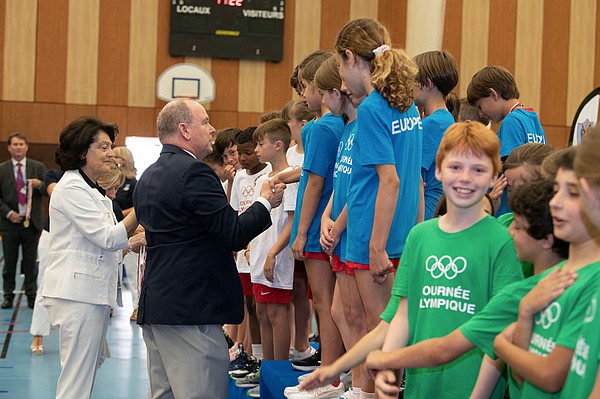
[(247, 191), (340, 148), (350, 142), (590, 312), (548, 316), (445, 266)]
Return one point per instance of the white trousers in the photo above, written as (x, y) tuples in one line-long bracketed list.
[(186, 362), (40, 321), (130, 261), (82, 332)]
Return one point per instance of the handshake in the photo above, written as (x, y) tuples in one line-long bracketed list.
[(272, 191)]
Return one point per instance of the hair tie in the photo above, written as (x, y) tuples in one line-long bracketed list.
[(381, 49)]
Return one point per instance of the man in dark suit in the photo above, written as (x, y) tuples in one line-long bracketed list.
[(21, 216), (191, 286)]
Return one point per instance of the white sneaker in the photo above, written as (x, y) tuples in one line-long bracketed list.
[(326, 392), (303, 377), (295, 356)]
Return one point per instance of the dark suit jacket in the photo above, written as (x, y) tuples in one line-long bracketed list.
[(191, 230), (8, 193)]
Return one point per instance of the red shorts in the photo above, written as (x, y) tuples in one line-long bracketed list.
[(316, 255), (338, 266), (362, 266), (264, 294), (246, 283)]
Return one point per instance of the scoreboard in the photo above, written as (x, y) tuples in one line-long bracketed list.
[(237, 29)]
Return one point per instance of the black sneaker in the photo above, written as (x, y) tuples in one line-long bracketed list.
[(308, 364), (239, 363)]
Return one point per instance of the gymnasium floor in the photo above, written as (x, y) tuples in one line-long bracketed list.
[(24, 376)]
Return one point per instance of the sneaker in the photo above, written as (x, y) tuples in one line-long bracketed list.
[(302, 355), (239, 363), (252, 366), (249, 381), (303, 377), (346, 379), (254, 392), (308, 364), (326, 392)]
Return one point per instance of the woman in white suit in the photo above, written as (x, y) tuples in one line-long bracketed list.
[(80, 284)]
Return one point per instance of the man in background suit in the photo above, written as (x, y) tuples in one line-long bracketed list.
[(191, 286), (20, 216)]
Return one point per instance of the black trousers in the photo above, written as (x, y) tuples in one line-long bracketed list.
[(27, 239)]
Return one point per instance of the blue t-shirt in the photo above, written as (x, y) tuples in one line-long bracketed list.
[(434, 127), (385, 136), (320, 148), (519, 127), (341, 181)]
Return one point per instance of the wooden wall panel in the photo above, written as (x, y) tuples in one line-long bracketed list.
[(422, 14), (225, 73), (277, 85), (113, 67), (557, 136), (502, 33), (392, 13), (65, 58), (528, 53), (246, 119), (82, 52), (251, 86), (114, 114), (2, 35), (20, 26), (142, 53), (223, 119), (581, 59), (17, 117), (48, 122), (163, 58), (597, 47), (51, 57), (452, 35), (364, 9), (336, 14), (554, 62), (474, 51), (307, 22), (202, 62), (141, 122)]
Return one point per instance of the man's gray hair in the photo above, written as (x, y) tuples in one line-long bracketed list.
[(171, 116)]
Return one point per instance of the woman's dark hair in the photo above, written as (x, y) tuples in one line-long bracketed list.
[(75, 140)]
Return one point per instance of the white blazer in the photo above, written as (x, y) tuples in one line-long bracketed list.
[(85, 243)]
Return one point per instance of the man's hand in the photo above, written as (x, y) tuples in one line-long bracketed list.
[(272, 193), (14, 217), (35, 183)]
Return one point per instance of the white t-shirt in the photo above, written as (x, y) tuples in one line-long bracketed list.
[(262, 244), (294, 158), (244, 191)]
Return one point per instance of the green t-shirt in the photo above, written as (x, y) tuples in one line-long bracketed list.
[(500, 311), (448, 278), (584, 364), (506, 220), (560, 322)]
